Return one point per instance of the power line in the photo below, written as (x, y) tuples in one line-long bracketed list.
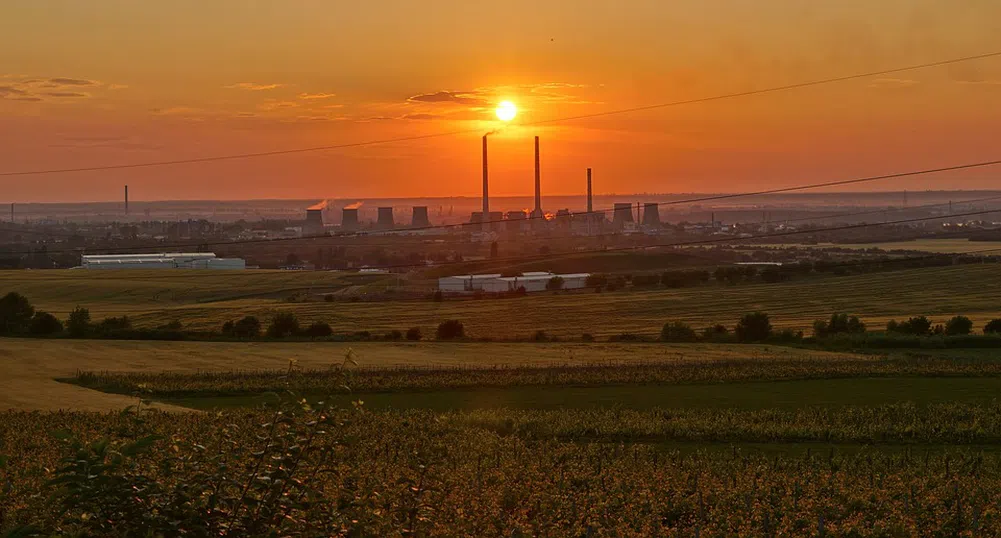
[(748, 93)]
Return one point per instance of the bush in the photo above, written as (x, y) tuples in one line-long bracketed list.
[(329, 297), (918, 325), (715, 332), (450, 330), (318, 329), (437, 297), (248, 327), (993, 326), (587, 337), (838, 324), (677, 331), (596, 281), (78, 324), (555, 283), (15, 314), (284, 324), (753, 327), (959, 325), (44, 324), (414, 334), (540, 336), (787, 335), (394, 334), (113, 324), (626, 337), (172, 326), (227, 328)]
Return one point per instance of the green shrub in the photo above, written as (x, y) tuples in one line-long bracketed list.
[(318, 329), (394, 334), (678, 331), (959, 325), (540, 336), (44, 324), (284, 324), (450, 330), (753, 327), (993, 326), (414, 334), (78, 325), (587, 337), (16, 313), (248, 327)]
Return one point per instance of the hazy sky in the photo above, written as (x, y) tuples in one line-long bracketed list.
[(123, 81)]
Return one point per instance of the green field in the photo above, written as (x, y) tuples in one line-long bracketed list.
[(938, 246), (203, 301)]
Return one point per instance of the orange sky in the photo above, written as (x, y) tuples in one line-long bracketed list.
[(119, 81)]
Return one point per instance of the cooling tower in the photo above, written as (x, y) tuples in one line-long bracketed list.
[(651, 215), (314, 221), (349, 218), (622, 214), (420, 217), (385, 220)]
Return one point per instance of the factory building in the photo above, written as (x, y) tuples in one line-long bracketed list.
[(495, 283), (165, 260)]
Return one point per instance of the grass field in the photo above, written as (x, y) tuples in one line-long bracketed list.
[(28, 367), (205, 301)]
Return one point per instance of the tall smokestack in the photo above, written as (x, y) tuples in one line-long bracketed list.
[(590, 205), (538, 180), (126, 200), (486, 188)]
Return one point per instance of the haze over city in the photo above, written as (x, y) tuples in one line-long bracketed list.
[(118, 82)]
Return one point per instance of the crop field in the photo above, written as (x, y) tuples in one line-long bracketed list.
[(938, 246), (936, 292), (28, 367)]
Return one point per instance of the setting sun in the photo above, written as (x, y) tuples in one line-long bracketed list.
[(506, 111)]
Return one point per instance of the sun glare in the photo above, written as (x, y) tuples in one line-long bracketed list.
[(506, 111)]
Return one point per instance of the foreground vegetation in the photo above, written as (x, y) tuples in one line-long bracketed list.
[(313, 472)]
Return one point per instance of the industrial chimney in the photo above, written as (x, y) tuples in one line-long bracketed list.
[(385, 221), (651, 214), (349, 218), (420, 217), (537, 212), (486, 189), (126, 200), (590, 205)]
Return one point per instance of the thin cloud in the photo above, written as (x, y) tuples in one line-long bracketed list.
[(892, 83), (462, 98), (253, 86), (420, 117), (62, 81), (26, 98), (73, 95), (308, 96), (979, 82), (11, 90)]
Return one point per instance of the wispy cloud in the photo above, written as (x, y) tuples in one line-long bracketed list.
[(11, 90), (310, 96), (73, 95), (462, 98), (273, 104), (62, 81), (253, 86), (979, 82), (420, 117)]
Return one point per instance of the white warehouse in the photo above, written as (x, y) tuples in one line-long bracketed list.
[(495, 283), (164, 260)]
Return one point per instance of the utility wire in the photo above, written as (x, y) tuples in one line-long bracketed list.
[(748, 93)]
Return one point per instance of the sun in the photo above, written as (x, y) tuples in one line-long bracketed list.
[(506, 111)]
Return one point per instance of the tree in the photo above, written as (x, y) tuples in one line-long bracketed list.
[(292, 260), (555, 283), (112, 324), (318, 329), (753, 327), (493, 250), (993, 326), (78, 324), (450, 330), (437, 297), (596, 281), (677, 331), (248, 327), (715, 332), (839, 323), (283, 324), (15, 314), (959, 325), (919, 325), (44, 324), (414, 334)]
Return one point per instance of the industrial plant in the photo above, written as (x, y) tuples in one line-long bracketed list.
[(165, 260), (497, 283)]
